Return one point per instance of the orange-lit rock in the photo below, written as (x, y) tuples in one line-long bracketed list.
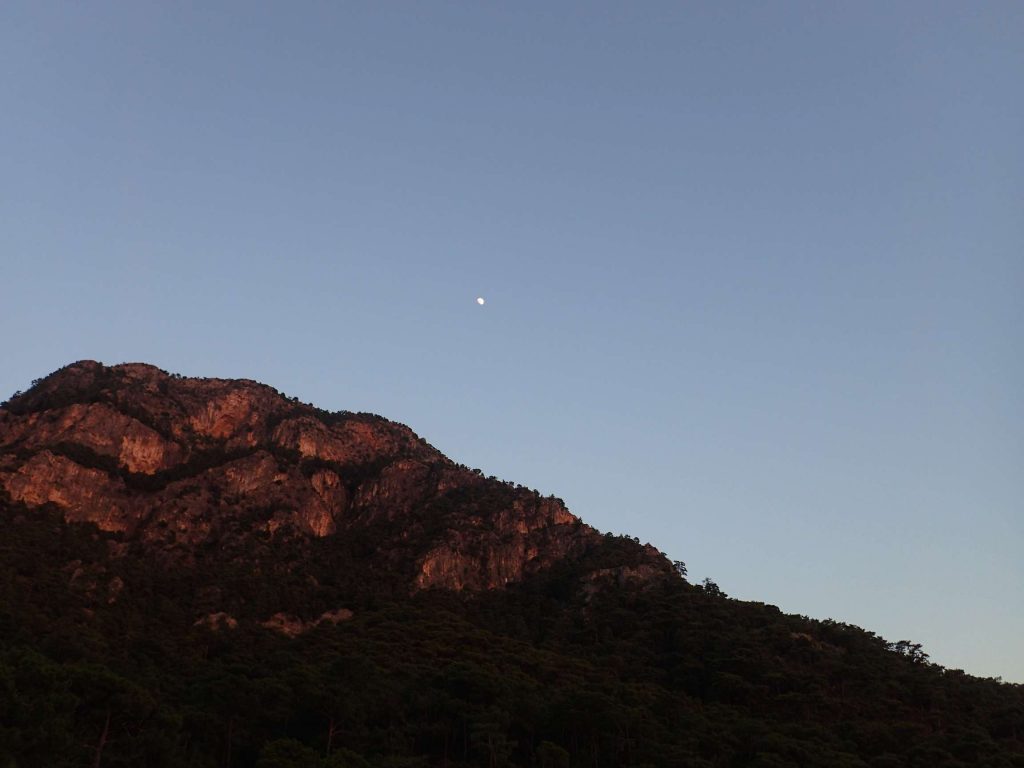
[(175, 463), (86, 495)]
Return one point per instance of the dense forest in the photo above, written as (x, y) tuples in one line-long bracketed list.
[(111, 657)]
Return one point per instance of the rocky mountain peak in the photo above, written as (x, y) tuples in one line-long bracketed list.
[(177, 464)]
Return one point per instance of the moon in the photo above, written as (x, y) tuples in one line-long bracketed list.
[(480, 300)]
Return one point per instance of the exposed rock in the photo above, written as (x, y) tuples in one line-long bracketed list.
[(396, 490), (101, 429), (291, 625), (217, 621), (175, 463), (287, 624), (86, 495), (331, 490), (335, 617)]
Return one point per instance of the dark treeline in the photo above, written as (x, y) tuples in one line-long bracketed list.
[(102, 664)]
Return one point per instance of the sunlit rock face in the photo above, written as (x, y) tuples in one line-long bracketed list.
[(85, 495), (520, 538), (178, 463)]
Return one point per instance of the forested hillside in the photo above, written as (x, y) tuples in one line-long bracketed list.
[(182, 583)]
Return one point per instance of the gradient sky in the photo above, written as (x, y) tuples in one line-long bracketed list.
[(754, 272)]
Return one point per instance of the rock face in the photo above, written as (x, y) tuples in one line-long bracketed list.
[(176, 463), (292, 626)]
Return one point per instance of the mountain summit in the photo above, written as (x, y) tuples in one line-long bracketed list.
[(184, 463)]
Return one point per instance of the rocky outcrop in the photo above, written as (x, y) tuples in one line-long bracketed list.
[(101, 429), (519, 539), (217, 621), (85, 494), (335, 617), (286, 623), (292, 626), (174, 463)]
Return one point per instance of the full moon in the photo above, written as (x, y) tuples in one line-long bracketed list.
[(480, 300)]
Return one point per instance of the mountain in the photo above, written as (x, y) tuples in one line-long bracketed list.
[(205, 572), (177, 464)]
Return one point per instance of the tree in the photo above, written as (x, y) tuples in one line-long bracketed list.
[(712, 589), (912, 651)]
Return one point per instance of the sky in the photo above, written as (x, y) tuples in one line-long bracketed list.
[(753, 272)]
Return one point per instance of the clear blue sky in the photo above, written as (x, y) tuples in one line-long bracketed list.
[(754, 272)]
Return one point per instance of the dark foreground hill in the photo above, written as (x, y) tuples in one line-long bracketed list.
[(199, 572)]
